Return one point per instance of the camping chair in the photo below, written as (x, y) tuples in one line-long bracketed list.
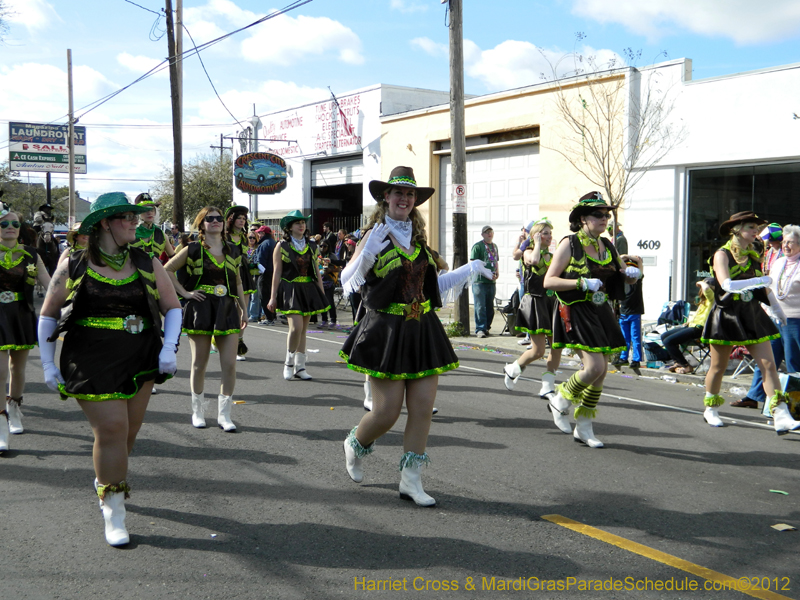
[(698, 351), (747, 361), (674, 313), (499, 305)]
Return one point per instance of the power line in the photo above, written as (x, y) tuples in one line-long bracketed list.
[(143, 8)]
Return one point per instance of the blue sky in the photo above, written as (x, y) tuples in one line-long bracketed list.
[(344, 44)]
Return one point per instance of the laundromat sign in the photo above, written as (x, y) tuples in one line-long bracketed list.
[(260, 173), (44, 147)]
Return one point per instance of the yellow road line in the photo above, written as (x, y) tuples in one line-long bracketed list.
[(662, 557)]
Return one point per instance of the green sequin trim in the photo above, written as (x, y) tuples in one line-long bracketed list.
[(397, 308), (585, 411), (601, 350), (219, 265), (114, 488), (604, 261), (14, 347), (214, 332), (394, 180), (414, 460), (115, 323), (8, 253), (743, 343), (149, 276), (113, 396), (305, 314), (395, 376), (390, 260), (714, 400), (248, 292), (546, 332), (95, 275), (301, 279)]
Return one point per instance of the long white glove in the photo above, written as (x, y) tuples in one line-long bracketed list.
[(462, 274), (774, 310), (47, 350), (632, 272), (355, 273), (591, 284), (741, 285), (261, 268), (167, 358)]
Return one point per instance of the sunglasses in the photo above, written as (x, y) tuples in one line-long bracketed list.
[(129, 217), (5, 224), (211, 219), (600, 214), (251, 238)]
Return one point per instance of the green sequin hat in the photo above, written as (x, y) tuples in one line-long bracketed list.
[(400, 177), (587, 204), (293, 216), (109, 204)]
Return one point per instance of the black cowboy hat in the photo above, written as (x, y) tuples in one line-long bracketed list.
[(400, 177), (236, 209), (746, 216), (588, 203)]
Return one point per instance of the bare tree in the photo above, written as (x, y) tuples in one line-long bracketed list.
[(5, 14), (617, 121)]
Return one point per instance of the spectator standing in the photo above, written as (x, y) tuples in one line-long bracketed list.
[(252, 264), (773, 238), (631, 309), (175, 236), (484, 289), (264, 265), (620, 241), (339, 248), (328, 236)]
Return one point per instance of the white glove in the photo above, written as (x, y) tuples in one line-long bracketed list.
[(746, 284), (47, 350), (462, 275), (167, 358), (377, 239), (591, 284), (261, 268), (632, 272), (478, 266), (355, 273)]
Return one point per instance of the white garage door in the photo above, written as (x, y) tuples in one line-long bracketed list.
[(502, 191)]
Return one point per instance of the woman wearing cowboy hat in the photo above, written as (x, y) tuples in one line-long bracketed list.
[(297, 290), (214, 308), (736, 319), (236, 227), (20, 268), (535, 314), (585, 273), (149, 237), (399, 341), (112, 352)]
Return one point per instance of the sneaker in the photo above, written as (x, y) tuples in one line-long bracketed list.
[(481, 334), (241, 357), (524, 341)]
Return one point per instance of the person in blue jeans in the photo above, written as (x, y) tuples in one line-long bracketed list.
[(631, 310), (484, 289)]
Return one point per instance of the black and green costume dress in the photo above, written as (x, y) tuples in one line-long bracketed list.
[(248, 281), (399, 335), (218, 314), (150, 240), (298, 292), (112, 331), (593, 326), (535, 313), (737, 319), (17, 315)]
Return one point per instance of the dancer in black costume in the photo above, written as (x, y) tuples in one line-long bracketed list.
[(399, 341), (112, 352), (236, 228)]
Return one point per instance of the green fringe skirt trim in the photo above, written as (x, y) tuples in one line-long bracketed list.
[(305, 314), (766, 338), (604, 350), (414, 460), (248, 292), (715, 400), (397, 376), (112, 396), (546, 332), (214, 332), (15, 347), (585, 411)]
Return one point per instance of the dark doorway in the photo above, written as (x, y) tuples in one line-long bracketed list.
[(341, 205)]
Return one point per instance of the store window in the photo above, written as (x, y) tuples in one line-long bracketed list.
[(771, 191)]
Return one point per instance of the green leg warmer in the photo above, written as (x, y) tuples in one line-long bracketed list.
[(573, 389), (588, 405)]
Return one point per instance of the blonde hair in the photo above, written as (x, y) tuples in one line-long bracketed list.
[(539, 227), (418, 234)]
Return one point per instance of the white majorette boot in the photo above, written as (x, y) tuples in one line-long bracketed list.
[(584, 434), (224, 413), (411, 479), (367, 395), (14, 415), (3, 431), (353, 453), (512, 373), (784, 423), (288, 366), (548, 384), (300, 366), (96, 486), (199, 405), (711, 416), (113, 499), (559, 407)]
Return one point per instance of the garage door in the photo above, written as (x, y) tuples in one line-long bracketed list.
[(502, 191), (338, 172)]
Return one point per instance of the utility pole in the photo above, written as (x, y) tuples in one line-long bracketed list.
[(179, 51), (256, 123), (177, 140), (70, 145), (222, 147), (458, 157)]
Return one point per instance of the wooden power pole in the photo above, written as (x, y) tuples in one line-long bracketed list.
[(458, 157), (177, 139)]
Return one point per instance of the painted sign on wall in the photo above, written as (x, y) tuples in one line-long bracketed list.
[(43, 147), (260, 173)]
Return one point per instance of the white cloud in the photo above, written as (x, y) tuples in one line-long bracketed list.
[(744, 21), (430, 47), (141, 64), (33, 14), (408, 7), (269, 96), (287, 40)]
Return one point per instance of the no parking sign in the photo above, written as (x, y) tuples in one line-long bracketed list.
[(459, 198)]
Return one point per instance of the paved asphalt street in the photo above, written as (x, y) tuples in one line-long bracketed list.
[(269, 512)]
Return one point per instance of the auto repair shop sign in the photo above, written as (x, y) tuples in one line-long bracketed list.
[(260, 173), (42, 147)]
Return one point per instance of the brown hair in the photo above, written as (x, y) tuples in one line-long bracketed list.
[(287, 231), (418, 235), (200, 225)]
